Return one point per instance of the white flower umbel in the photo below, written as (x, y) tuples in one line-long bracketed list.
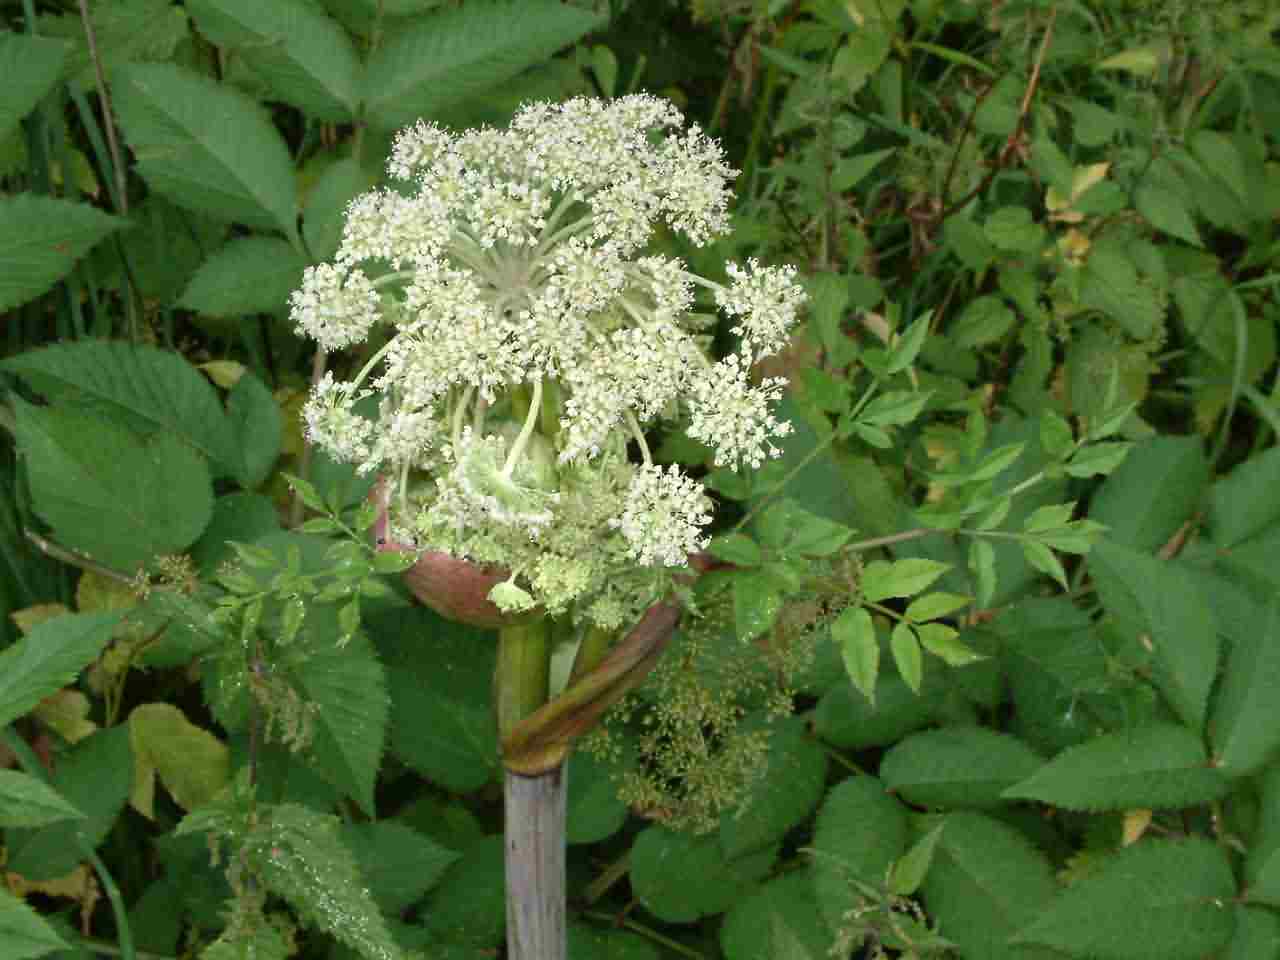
[(522, 340)]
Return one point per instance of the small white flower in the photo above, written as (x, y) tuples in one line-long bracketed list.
[(663, 517), (732, 417), (334, 306), (767, 299), (330, 422)]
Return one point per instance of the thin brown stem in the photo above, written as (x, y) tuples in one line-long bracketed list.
[(108, 120)]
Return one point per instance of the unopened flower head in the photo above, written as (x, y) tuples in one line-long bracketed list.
[(523, 339)]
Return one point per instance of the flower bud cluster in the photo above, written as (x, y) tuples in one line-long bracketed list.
[(522, 340)]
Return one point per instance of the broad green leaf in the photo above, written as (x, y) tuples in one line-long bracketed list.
[(595, 811), (468, 906), (1155, 767), (24, 935), (847, 718), (206, 147), (1166, 600), (108, 492), (240, 516), (986, 882), (847, 172), (28, 802), (1165, 208), (139, 386), (1262, 863), (48, 658), (787, 900), (1157, 488), (1247, 500), (882, 580), (258, 423), (789, 528), (41, 238), (985, 320), (860, 833), (736, 548), (300, 856), (782, 796), (906, 655), (1257, 934), (1011, 229), (94, 777), (1243, 730), (31, 65), (982, 562), (855, 634), (439, 677), (957, 767), (398, 864), (1044, 560), (348, 686), (303, 57), (895, 408), (1111, 283), (1155, 900), (125, 31), (680, 878), (448, 57), (191, 762), (326, 206), (1220, 158), (944, 642), (252, 274)]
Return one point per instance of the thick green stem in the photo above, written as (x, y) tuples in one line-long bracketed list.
[(521, 679)]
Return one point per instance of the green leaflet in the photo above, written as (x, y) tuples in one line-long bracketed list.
[(680, 878), (28, 802), (1156, 900), (1155, 767), (1153, 492), (31, 65), (48, 658), (1166, 600), (398, 864), (1243, 729), (41, 238), (453, 55), (746, 933), (861, 831), (957, 767), (253, 274), (1246, 501), (23, 934), (987, 881)]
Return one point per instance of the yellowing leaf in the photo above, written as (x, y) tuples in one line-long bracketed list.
[(191, 762), (1135, 825), (98, 594), (31, 617), (224, 373), (66, 713)]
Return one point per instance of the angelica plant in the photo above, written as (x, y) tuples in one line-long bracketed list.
[(523, 341)]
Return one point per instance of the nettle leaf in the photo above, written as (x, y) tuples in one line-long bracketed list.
[(1156, 900), (30, 65), (451, 56), (41, 238), (787, 901), (141, 387), (206, 147), (48, 657), (439, 674), (1246, 501), (94, 777), (860, 832), (1164, 205), (300, 856), (348, 686), (1157, 487), (957, 767), (246, 275), (1167, 600), (986, 882), (28, 802), (985, 320), (1243, 730), (191, 762), (680, 878), (23, 933), (399, 864), (1155, 767), (303, 57), (783, 795), (118, 497)]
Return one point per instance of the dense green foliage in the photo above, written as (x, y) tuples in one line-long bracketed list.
[(1015, 575)]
